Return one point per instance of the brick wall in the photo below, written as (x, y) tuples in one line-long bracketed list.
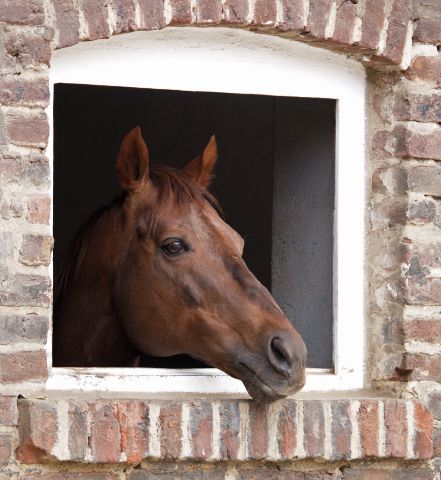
[(387, 434)]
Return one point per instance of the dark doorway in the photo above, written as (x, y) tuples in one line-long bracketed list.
[(274, 180)]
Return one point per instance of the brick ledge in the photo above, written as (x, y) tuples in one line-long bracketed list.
[(128, 431)]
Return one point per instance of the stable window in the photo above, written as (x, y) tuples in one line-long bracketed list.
[(289, 120)]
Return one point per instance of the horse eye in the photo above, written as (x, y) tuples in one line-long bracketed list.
[(174, 246)]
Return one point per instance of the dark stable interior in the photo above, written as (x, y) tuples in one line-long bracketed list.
[(274, 180)]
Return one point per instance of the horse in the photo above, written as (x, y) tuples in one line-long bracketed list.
[(159, 272)]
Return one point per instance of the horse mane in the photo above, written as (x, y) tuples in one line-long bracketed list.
[(170, 183)]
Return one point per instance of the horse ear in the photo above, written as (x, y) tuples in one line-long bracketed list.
[(200, 169), (132, 165)]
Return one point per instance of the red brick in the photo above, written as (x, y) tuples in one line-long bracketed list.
[(427, 69), (152, 14), (397, 31), (345, 22), (341, 429), (423, 330), (258, 431), (235, 11), (208, 11), (181, 11), (170, 417), (8, 411), (23, 367), (28, 129), (39, 208), (425, 179), (367, 417), (383, 144), (67, 22), (201, 422), (230, 430), (125, 15), (15, 90), (287, 428), (314, 428), (96, 17), (22, 12), (318, 17), (78, 440), (265, 12), (417, 145), (22, 290), (105, 435), (423, 423), (372, 24), (428, 25), (36, 249), (395, 423), (422, 366), (420, 108), (37, 430), (27, 49), (133, 418), (293, 15), (5, 449)]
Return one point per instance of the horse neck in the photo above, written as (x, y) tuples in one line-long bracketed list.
[(86, 327)]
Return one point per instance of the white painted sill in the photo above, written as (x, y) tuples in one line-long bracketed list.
[(235, 61)]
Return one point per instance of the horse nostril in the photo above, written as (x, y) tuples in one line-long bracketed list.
[(279, 356)]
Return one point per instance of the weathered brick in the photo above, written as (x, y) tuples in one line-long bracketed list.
[(419, 108), (37, 430), (399, 19), (341, 429), (258, 430), (287, 428), (314, 428), (96, 17), (437, 443), (293, 15), (181, 11), (209, 11), (367, 417), (133, 419), (22, 12), (235, 11), (5, 449), (422, 366), (178, 471), (28, 129), (125, 15), (388, 213), (423, 424), (27, 49), (15, 90), (36, 249), (434, 404), (88, 475), (417, 145), (23, 328), (421, 212), (8, 411), (23, 366), (265, 12), (369, 473), (19, 290), (318, 17), (230, 430), (395, 425), (423, 330), (201, 429), (425, 179), (39, 208), (280, 472), (78, 439), (345, 23), (67, 22), (152, 14), (428, 25), (25, 171), (170, 429), (390, 180), (105, 435), (372, 24), (423, 290), (427, 69)]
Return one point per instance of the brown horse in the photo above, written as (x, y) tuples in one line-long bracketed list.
[(159, 272)]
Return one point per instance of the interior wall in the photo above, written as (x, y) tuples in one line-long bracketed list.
[(253, 134)]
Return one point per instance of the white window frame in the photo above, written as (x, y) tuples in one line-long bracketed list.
[(236, 61)]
